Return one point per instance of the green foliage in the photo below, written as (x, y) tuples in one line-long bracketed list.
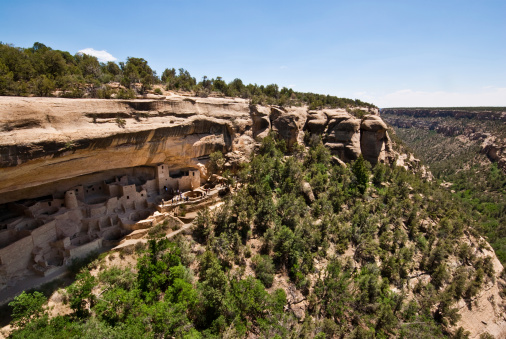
[(41, 70), (264, 269), (27, 307), (216, 162), (80, 296), (359, 113), (120, 122), (478, 184), (156, 268), (361, 172), (137, 70)]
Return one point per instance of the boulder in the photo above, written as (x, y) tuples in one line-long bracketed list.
[(260, 122), (308, 192), (316, 122), (373, 123), (343, 137)]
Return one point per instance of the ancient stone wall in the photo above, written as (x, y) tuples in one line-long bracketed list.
[(40, 235)]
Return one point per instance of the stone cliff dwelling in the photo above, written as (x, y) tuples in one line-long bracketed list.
[(73, 181), (47, 233)]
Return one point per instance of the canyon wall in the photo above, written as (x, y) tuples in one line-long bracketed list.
[(486, 128), (45, 140)]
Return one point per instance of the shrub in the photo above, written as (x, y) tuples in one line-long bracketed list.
[(264, 269), (120, 122), (26, 307), (125, 94)]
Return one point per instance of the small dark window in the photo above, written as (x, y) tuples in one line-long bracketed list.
[(142, 195), (193, 173), (49, 203), (61, 205), (77, 190), (162, 167), (128, 197), (100, 188), (93, 189), (86, 191)]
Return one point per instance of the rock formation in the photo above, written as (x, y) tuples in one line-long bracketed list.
[(45, 140), (79, 174)]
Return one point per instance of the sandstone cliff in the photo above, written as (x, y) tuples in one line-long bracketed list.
[(44, 140)]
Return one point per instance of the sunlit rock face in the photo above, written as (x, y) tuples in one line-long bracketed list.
[(374, 140), (45, 140)]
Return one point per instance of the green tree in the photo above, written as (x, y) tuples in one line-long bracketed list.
[(216, 162), (80, 295), (137, 70), (26, 307), (361, 172), (6, 79), (264, 269), (168, 75), (43, 86)]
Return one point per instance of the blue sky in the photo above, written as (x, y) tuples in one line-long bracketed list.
[(391, 53)]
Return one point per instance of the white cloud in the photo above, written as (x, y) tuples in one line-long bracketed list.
[(102, 56), (488, 96)]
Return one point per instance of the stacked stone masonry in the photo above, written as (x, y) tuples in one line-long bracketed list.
[(49, 232)]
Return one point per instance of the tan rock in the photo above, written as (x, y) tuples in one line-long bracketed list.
[(48, 140), (287, 124), (374, 138), (316, 122), (308, 192)]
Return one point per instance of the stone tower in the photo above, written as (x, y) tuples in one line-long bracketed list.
[(70, 200)]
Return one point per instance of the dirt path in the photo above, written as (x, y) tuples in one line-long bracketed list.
[(132, 242)]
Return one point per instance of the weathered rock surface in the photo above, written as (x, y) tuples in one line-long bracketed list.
[(308, 192), (44, 140)]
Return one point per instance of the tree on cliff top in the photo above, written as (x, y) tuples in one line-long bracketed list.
[(137, 70)]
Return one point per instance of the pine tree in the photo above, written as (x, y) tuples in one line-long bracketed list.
[(361, 173)]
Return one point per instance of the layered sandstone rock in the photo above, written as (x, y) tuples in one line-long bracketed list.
[(45, 140)]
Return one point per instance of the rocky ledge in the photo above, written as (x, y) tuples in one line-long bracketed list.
[(46, 140)]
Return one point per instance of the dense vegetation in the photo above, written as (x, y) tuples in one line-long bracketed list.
[(42, 71), (478, 184), (368, 251)]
